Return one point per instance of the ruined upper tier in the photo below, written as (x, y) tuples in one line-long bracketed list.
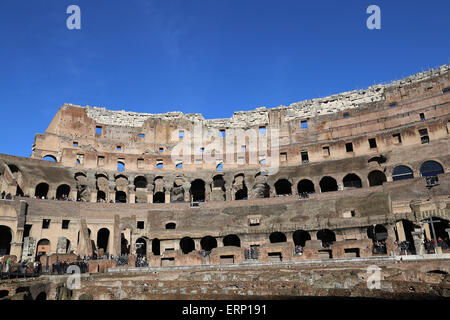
[(241, 119)]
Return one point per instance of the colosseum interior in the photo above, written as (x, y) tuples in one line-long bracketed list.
[(340, 181)]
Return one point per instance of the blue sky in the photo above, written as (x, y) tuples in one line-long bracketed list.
[(202, 56)]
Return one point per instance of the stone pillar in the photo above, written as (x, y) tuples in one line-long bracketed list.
[(448, 231), (400, 231), (418, 242), (187, 194), (73, 195), (51, 193), (427, 231), (167, 196), (94, 196), (198, 246), (229, 195)]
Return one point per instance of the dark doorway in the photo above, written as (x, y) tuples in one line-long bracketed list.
[(326, 236), (231, 240), (276, 237), (300, 237), (156, 247), (103, 239), (351, 180), (376, 178), (41, 190), (5, 240), (198, 190), (62, 192), (208, 243), (121, 197), (141, 247), (187, 245), (305, 186), (328, 184), (283, 187), (159, 197)]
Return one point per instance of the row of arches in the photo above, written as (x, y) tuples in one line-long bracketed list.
[(240, 192)]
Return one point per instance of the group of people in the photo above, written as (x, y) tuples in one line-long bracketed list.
[(141, 261), (204, 253), (298, 250), (251, 253), (6, 196), (60, 267), (379, 247), (404, 248), (7, 265)]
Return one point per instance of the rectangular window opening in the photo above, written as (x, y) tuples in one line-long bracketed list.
[(305, 157), (372, 143), (326, 151), (65, 224), (98, 130), (304, 124), (349, 147), (140, 224), (45, 223)]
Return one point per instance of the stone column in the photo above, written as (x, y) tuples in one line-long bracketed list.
[(448, 231), (418, 242), (187, 195), (198, 246)]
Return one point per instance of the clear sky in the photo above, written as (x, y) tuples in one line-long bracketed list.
[(202, 56)]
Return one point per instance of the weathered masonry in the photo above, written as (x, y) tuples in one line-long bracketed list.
[(356, 172)]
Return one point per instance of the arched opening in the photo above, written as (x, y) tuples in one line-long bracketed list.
[(170, 226), (431, 169), (101, 196), (402, 173), (156, 247), (141, 247), (283, 187), (177, 192), (49, 158), (261, 189), (159, 197), (376, 178), (120, 166), (198, 190), (239, 188), (43, 247), (41, 190), (218, 188), (326, 236), (276, 237), (121, 197), (5, 240), (305, 186), (378, 234), (124, 247), (187, 245), (83, 193), (103, 239), (140, 184), (351, 180), (328, 184), (231, 240), (300, 237), (62, 192), (378, 159), (208, 243)]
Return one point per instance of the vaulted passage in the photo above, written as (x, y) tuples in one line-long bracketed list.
[(378, 234), (5, 240), (101, 196), (156, 247), (300, 237), (231, 240), (141, 247), (103, 239), (402, 173), (305, 186), (124, 247), (140, 184), (187, 245), (283, 187), (198, 190), (276, 237), (326, 236), (328, 184), (43, 246), (352, 181), (208, 243), (159, 197), (41, 190), (62, 192), (430, 169), (239, 188), (376, 178), (121, 197)]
